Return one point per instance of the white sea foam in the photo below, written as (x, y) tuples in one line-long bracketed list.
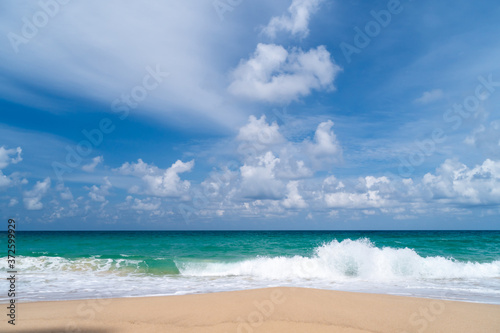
[(346, 261), (59, 264), (348, 265)]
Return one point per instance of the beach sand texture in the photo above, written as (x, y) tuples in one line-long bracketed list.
[(261, 310)]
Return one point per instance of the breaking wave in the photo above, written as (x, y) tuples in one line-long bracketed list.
[(347, 260)]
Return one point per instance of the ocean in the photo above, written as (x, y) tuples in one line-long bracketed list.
[(452, 265)]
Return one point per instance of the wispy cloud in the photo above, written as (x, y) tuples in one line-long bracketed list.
[(430, 96), (91, 166), (32, 198), (295, 21)]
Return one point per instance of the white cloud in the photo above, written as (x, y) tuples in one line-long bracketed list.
[(331, 183), (169, 184), (259, 181), (220, 184), (296, 21), (367, 192), (472, 138), (404, 217), (146, 204), (325, 150), (270, 162), (162, 33), (13, 202), (64, 191), (99, 193), (430, 96), (32, 199), (454, 182), (4, 180), (137, 169), (291, 168), (293, 198), (259, 137), (266, 208), (6, 157), (486, 138), (91, 166), (370, 199), (333, 214), (159, 182), (372, 181), (275, 75), (259, 134)]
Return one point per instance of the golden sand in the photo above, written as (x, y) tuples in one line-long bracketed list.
[(287, 310)]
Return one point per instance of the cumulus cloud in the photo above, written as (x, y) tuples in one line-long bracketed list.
[(372, 181), (258, 134), (220, 186), (270, 162), (454, 182), (32, 198), (144, 204), (331, 183), (366, 192), (8, 156), (99, 193), (430, 96), (91, 166), (272, 170), (325, 150), (272, 74), (259, 181), (293, 198), (137, 169), (159, 182), (296, 21), (291, 168), (64, 192), (259, 137), (369, 199)]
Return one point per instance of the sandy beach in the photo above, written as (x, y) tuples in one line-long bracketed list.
[(261, 310)]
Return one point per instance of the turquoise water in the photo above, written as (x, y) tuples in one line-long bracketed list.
[(461, 265)]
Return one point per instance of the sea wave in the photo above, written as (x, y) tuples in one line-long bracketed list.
[(344, 261), (93, 264), (350, 265), (347, 260)]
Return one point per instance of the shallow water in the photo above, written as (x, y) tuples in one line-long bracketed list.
[(457, 265)]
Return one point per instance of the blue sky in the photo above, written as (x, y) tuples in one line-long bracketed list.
[(290, 114)]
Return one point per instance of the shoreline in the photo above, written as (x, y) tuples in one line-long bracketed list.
[(281, 309), (100, 297)]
